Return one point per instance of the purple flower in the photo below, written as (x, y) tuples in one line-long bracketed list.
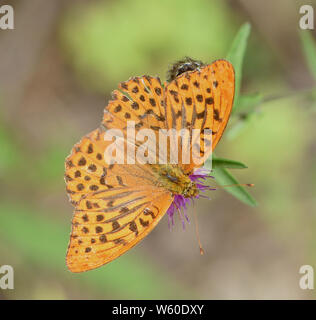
[(180, 203)]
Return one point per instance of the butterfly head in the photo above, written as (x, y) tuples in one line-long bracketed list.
[(182, 66)]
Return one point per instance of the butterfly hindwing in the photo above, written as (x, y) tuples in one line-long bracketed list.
[(115, 205), (100, 235)]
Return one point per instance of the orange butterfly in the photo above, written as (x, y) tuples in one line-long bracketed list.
[(117, 205)]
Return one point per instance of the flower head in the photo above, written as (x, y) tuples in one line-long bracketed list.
[(180, 203)]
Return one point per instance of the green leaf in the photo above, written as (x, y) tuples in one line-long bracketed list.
[(236, 55), (237, 128), (223, 177), (247, 103), (309, 49), (246, 111), (226, 163)]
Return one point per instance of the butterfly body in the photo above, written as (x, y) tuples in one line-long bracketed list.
[(117, 205), (172, 178)]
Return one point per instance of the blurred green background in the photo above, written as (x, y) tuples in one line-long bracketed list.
[(57, 70)]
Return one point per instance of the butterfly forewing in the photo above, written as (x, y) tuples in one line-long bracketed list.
[(138, 102), (201, 99)]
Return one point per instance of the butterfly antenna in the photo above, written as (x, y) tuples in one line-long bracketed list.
[(197, 230)]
